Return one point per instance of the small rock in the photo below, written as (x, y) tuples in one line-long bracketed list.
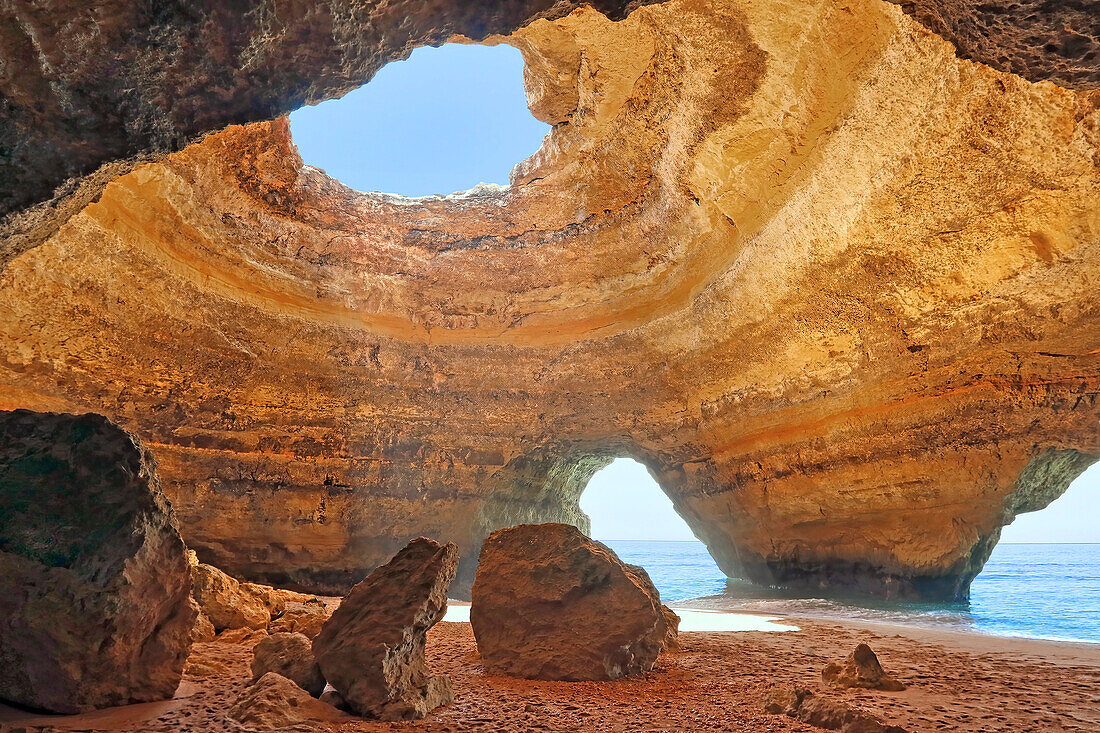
[(200, 667), (306, 618), (247, 637), (372, 648), (290, 655), (802, 704), (225, 603), (861, 669), (550, 603), (273, 702), (203, 630)]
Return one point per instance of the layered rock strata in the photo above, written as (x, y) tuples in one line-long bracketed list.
[(372, 649), (95, 604), (832, 284), (552, 604)]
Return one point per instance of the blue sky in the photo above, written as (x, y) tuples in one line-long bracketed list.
[(449, 118), (442, 121)]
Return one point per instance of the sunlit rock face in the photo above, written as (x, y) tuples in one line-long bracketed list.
[(835, 286)]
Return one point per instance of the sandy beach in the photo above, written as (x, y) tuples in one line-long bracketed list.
[(957, 681)]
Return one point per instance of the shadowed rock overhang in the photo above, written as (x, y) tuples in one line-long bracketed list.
[(833, 284)]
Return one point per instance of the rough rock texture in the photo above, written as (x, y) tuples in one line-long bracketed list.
[(95, 88), (202, 630), (832, 284), (825, 713), (226, 602), (861, 669), (1057, 40), (372, 649), (94, 583), (290, 655), (552, 604), (306, 618), (275, 703), (670, 622)]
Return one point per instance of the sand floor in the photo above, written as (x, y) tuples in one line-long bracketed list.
[(958, 681)]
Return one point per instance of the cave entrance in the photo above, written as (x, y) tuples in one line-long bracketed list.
[(1043, 577), (442, 121), (632, 515)]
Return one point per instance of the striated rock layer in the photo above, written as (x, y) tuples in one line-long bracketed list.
[(832, 284)]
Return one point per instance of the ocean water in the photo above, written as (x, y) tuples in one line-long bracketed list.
[(1039, 591)]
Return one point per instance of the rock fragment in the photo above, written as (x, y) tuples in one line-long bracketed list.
[(860, 669), (225, 602), (303, 618), (372, 648), (290, 655), (94, 582), (802, 704), (550, 603), (273, 702)]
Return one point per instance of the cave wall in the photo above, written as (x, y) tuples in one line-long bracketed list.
[(832, 283)]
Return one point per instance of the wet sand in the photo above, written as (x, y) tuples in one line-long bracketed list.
[(958, 681)]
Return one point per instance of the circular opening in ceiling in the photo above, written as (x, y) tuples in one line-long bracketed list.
[(442, 121)]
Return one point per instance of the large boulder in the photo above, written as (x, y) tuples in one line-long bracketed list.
[(860, 669), (94, 581), (274, 703), (225, 602), (550, 603), (372, 649), (290, 655)]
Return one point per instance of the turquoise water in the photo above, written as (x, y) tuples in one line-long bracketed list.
[(1039, 591)]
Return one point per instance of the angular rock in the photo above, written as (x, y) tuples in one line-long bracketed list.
[(550, 603), (273, 702), (825, 713), (372, 649), (94, 582), (306, 618), (203, 630), (860, 669), (290, 655), (225, 602)]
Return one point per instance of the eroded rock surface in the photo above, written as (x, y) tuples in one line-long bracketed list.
[(552, 604), (226, 602), (275, 703), (825, 713), (860, 669), (834, 285), (94, 583), (372, 649), (291, 655), (302, 618)]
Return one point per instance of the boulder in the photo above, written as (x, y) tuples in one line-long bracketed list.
[(671, 621), (550, 603), (860, 669), (305, 618), (290, 655), (372, 649), (273, 702), (94, 583), (225, 602)]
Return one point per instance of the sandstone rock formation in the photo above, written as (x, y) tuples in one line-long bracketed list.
[(225, 602), (551, 604), (861, 669), (372, 649), (275, 703), (290, 655), (670, 618), (94, 583), (825, 713), (303, 618), (834, 285)]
